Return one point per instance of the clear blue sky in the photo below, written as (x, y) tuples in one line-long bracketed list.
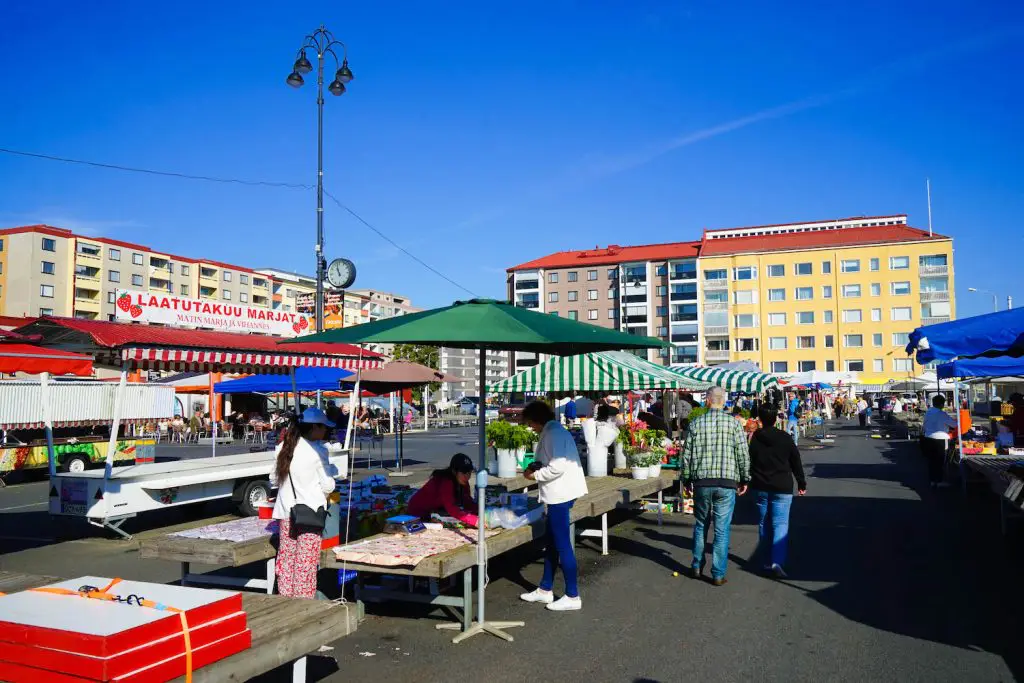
[(480, 135)]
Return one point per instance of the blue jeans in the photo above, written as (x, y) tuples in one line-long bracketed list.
[(773, 526), (720, 501), (793, 427), (559, 549)]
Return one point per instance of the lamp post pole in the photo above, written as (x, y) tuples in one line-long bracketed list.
[(323, 42), (995, 298)]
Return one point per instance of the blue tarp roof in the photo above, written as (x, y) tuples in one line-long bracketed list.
[(992, 334), (1003, 366), (306, 379)]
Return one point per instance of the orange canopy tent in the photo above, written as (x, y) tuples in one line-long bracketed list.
[(27, 358)]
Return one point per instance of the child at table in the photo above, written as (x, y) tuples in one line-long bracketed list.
[(447, 492)]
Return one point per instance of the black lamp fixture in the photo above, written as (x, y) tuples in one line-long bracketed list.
[(294, 80), (302, 65)]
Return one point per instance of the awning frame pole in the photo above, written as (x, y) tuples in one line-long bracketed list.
[(115, 426), (44, 395)]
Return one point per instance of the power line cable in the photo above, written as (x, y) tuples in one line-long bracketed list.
[(239, 181)]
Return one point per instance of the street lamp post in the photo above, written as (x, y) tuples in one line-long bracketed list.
[(995, 297), (323, 42)]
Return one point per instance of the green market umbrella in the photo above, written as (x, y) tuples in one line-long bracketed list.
[(485, 324), (730, 380), (607, 371)]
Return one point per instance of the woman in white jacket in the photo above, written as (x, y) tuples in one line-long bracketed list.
[(558, 473), (301, 477)]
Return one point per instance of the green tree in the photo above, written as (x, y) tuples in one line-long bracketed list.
[(424, 355)]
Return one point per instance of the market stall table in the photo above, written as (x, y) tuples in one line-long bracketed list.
[(283, 630), (993, 470)]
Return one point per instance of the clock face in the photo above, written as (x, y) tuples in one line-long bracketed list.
[(341, 273)]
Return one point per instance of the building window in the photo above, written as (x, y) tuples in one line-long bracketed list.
[(573, 276), (899, 262), (111, 297), (850, 265), (899, 288), (227, 295), (804, 293), (830, 366), (661, 270), (826, 267), (114, 254), (552, 297), (745, 296), (900, 339), (184, 290), (853, 341), (851, 291), (779, 367), (184, 269), (662, 290), (805, 342), (777, 343), (827, 316), (873, 264), (876, 315), (855, 366), (227, 276), (613, 274), (113, 276), (807, 366), (744, 273), (876, 340), (554, 313), (136, 280), (775, 319), (901, 313), (611, 293), (932, 260), (745, 320), (592, 314), (805, 318), (939, 309), (573, 295), (243, 279), (777, 294), (748, 344), (852, 315), (48, 268), (611, 314), (553, 278), (45, 311), (826, 292), (46, 291), (49, 244), (591, 295), (243, 297), (803, 268), (716, 297), (1, 245), (830, 341), (573, 315), (137, 259), (778, 270), (719, 274), (902, 365), (661, 310), (662, 331), (591, 274), (934, 284)]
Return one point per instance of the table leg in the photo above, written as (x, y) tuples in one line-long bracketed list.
[(184, 573), (661, 499), (299, 670), (271, 573), (604, 533), (467, 599)]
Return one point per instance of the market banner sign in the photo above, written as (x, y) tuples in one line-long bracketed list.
[(334, 308), (224, 316)]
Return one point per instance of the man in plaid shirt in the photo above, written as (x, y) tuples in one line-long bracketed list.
[(716, 467)]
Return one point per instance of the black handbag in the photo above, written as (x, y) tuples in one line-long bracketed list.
[(304, 518)]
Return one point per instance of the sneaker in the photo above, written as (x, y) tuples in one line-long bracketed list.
[(718, 583), (565, 604), (538, 595), (779, 572)]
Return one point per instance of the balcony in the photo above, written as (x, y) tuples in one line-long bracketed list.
[(527, 284), (635, 320), (684, 317), (207, 292), (86, 303), (161, 285), (679, 274), (259, 283), (933, 270), (260, 301), (932, 297), (719, 354), (716, 330), (935, 321), (683, 296), (88, 253), (528, 304), (207, 275), (716, 306), (87, 280), (716, 285), (683, 338)]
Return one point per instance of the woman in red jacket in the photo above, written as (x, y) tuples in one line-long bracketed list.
[(447, 492)]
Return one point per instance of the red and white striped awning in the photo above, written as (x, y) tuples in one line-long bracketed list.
[(234, 361)]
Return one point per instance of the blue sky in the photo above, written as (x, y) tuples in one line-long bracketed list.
[(480, 135)]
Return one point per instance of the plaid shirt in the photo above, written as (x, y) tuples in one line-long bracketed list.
[(716, 448)]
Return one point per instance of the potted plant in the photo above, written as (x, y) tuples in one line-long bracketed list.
[(657, 456), (620, 449), (643, 448), (504, 437), (638, 465)]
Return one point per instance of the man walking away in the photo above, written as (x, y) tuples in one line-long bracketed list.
[(862, 412), (570, 412), (716, 467), (935, 436), (793, 418), (774, 463)]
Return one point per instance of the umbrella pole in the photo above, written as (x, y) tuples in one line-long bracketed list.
[(495, 628), (44, 394), (108, 466)]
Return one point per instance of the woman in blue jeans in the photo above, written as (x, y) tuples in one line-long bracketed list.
[(774, 463), (559, 475)]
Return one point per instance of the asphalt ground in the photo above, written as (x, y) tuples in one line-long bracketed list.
[(889, 581)]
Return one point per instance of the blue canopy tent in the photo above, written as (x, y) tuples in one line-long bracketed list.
[(992, 334), (306, 379), (1003, 366)]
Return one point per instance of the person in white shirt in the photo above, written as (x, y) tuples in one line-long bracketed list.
[(559, 474), (897, 405), (934, 439), (301, 477)]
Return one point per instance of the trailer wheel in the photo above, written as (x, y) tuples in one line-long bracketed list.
[(75, 463), (254, 493)]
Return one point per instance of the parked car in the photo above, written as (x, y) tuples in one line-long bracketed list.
[(467, 405)]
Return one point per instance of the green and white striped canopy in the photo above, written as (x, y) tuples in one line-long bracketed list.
[(730, 380), (611, 371)]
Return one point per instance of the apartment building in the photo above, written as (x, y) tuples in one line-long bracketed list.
[(837, 295), (465, 363)]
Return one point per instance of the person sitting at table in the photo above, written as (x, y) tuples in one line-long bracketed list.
[(447, 492)]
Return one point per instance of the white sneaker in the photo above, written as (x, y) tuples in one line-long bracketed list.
[(538, 595), (779, 572), (566, 604)]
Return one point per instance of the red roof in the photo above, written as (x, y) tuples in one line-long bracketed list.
[(842, 237), (14, 320), (115, 335), (613, 254)]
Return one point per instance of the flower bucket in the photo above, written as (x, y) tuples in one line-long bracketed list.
[(620, 456), (597, 462), (507, 463), (641, 472), (654, 471)]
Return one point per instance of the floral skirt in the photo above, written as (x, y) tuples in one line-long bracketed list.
[(298, 558)]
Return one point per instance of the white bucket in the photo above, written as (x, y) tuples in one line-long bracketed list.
[(620, 456), (597, 462), (506, 463)]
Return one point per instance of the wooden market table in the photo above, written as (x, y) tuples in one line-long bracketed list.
[(283, 630), (993, 470), (605, 494)]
